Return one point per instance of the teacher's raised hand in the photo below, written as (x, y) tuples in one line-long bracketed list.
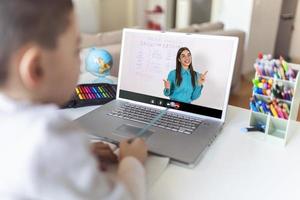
[(202, 78), (167, 84)]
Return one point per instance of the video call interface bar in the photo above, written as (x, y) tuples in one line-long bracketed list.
[(211, 112)]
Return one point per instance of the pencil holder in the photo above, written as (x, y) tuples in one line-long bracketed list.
[(275, 99)]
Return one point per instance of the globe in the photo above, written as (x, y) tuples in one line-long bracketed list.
[(99, 62)]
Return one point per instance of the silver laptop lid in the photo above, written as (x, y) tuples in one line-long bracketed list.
[(149, 57)]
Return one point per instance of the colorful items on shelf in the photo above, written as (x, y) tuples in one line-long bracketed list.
[(153, 26), (157, 9), (276, 68), (275, 99), (265, 87), (283, 92), (154, 18), (262, 86), (274, 107), (268, 82)]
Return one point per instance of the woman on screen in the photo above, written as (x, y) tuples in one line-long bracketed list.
[(184, 84)]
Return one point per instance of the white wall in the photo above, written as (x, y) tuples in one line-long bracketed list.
[(233, 13), (183, 13), (91, 7), (263, 31), (140, 7), (295, 42), (106, 15), (113, 14), (258, 18)]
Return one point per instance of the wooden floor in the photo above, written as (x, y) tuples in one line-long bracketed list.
[(241, 98)]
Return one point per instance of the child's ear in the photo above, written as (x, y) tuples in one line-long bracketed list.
[(30, 68)]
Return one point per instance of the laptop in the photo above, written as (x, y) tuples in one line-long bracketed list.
[(178, 126)]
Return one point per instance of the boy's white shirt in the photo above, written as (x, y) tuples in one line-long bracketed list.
[(45, 156)]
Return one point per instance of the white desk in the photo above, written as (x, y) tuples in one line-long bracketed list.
[(235, 167)]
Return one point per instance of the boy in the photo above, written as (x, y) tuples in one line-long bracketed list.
[(43, 155)]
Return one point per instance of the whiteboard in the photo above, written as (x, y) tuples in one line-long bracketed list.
[(147, 57)]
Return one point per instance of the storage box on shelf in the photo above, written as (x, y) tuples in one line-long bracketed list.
[(275, 100)]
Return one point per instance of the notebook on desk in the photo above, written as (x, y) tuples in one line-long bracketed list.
[(179, 120)]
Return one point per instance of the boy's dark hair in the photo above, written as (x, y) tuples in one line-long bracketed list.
[(25, 21)]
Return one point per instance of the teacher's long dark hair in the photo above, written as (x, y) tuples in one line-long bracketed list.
[(178, 68)]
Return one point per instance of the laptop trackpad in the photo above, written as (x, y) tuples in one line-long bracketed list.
[(129, 131)]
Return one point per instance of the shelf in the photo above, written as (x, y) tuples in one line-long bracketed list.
[(258, 119), (263, 97), (285, 83), (159, 14), (283, 101), (276, 79), (265, 77), (277, 127)]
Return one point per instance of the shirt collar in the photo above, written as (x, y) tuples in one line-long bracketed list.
[(184, 71), (8, 104)]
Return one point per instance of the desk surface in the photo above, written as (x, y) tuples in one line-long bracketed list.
[(236, 166)]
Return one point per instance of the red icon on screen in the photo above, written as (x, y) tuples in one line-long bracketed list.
[(173, 105)]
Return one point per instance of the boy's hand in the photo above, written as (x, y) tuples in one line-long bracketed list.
[(167, 84), (104, 154), (202, 78), (137, 148)]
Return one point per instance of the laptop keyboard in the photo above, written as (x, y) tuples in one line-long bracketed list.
[(169, 121)]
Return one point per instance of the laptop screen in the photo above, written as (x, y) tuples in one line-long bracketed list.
[(186, 72)]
